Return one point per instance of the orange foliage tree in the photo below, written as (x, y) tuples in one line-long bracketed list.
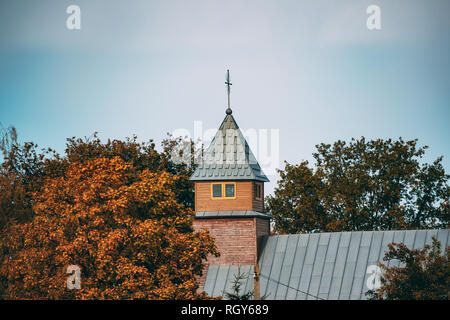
[(122, 226)]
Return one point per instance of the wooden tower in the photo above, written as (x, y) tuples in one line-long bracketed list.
[(229, 196)]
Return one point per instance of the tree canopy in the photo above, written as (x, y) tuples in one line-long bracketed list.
[(362, 185), (423, 274), (120, 211)]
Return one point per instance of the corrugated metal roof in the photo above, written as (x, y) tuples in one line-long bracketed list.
[(322, 265), (234, 213), (229, 157)]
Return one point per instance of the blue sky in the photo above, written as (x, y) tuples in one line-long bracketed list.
[(311, 69)]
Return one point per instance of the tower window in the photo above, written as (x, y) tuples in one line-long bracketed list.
[(257, 191), (229, 190), (223, 190), (217, 190)]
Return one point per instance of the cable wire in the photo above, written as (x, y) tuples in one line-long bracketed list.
[(286, 285)]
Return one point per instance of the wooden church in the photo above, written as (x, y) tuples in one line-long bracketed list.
[(229, 203)]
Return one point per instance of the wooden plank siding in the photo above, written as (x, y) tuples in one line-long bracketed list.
[(245, 198), (204, 202), (258, 205)]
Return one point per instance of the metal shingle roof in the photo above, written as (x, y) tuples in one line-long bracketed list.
[(229, 157), (234, 214), (325, 265)]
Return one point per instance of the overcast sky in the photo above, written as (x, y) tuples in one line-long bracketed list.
[(310, 69)]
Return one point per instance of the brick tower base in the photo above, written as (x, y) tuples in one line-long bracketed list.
[(237, 239)]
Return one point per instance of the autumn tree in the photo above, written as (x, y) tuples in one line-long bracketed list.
[(122, 226), (50, 202), (423, 274), (362, 185), (142, 155)]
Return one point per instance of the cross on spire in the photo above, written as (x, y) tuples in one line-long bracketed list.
[(228, 83)]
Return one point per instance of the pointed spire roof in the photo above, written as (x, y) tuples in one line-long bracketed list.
[(228, 122), (229, 157)]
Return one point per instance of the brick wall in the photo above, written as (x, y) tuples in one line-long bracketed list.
[(234, 237), (237, 239), (262, 229)]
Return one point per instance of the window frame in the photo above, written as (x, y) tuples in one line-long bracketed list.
[(212, 190), (223, 197), (258, 187)]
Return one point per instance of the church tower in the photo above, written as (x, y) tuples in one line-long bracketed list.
[(229, 196)]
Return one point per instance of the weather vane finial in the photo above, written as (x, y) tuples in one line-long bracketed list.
[(228, 83)]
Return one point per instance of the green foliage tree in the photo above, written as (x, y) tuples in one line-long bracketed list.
[(423, 274), (362, 185), (21, 172), (236, 293)]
